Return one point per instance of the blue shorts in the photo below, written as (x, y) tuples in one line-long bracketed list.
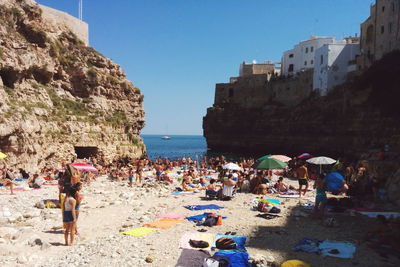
[(68, 217), (158, 173), (130, 178)]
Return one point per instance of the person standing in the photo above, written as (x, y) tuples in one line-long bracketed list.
[(78, 198), (302, 176), (69, 217)]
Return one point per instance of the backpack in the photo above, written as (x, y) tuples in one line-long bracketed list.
[(274, 210), (210, 221), (225, 243)]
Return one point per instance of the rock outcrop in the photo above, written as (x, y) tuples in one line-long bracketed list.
[(57, 94)]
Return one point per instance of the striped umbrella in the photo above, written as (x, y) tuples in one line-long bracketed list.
[(281, 158)]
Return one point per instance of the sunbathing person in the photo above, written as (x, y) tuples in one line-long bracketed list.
[(9, 183), (32, 182), (282, 187), (212, 189)]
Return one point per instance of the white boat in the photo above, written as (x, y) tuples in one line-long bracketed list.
[(166, 137)]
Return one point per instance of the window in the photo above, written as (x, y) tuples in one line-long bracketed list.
[(312, 62), (291, 56), (322, 59), (230, 92), (312, 49), (305, 63), (383, 8), (291, 67), (382, 29), (370, 34), (390, 27), (306, 50), (392, 7)]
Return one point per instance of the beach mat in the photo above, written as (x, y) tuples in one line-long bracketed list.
[(182, 193), (141, 231), (171, 216), (184, 241), (199, 217), (239, 240), (19, 189), (163, 223), (289, 196), (374, 214), (203, 207), (236, 258), (270, 201), (344, 250), (192, 257)]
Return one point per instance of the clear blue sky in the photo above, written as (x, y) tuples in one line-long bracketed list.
[(175, 51)]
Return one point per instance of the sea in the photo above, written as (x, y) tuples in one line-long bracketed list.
[(193, 146)]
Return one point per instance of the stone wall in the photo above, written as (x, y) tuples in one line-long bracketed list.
[(57, 17)]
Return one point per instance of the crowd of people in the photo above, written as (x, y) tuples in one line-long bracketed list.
[(208, 175)]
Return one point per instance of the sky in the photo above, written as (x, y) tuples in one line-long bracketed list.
[(175, 51)]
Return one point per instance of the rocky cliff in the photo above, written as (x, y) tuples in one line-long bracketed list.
[(355, 120), (58, 94), (359, 116)]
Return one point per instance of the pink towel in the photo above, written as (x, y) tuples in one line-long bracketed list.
[(171, 216)]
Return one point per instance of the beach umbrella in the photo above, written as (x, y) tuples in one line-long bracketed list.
[(232, 166), (2, 155), (334, 181), (321, 161), (304, 156), (281, 158), (269, 164), (83, 167), (264, 157)]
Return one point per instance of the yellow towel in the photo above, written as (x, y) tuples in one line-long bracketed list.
[(141, 231)]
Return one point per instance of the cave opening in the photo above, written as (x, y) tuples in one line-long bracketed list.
[(83, 152)]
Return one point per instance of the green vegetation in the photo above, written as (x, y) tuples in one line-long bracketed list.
[(92, 73), (113, 80), (8, 90), (1, 52), (117, 118)]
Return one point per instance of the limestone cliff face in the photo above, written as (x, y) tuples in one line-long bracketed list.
[(56, 93), (361, 115)]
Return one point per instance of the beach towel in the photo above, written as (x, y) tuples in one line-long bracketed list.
[(308, 245), (16, 189), (182, 193), (374, 214), (239, 240), (289, 196), (163, 223), (344, 250), (270, 201), (184, 241), (203, 207), (235, 258), (192, 257), (141, 231), (171, 216), (200, 217)]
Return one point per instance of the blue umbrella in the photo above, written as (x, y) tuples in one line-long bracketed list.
[(334, 181)]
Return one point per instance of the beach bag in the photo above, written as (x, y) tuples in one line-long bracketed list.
[(198, 244), (210, 221), (225, 243), (274, 210)]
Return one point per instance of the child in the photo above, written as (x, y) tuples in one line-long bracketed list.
[(320, 198)]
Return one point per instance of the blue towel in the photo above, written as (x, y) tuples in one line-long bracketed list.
[(239, 240), (308, 245), (346, 250), (199, 217), (235, 258), (203, 207)]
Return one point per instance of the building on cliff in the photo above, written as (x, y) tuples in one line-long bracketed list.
[(333, 63), (302, 56), (62, 19), (380, 32)]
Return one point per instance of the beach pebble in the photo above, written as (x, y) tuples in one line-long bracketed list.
[(45, 245), (149, 259), (40, 205), (22, 260)]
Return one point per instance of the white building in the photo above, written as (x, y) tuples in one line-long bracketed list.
[(302, 56), (332, 64)]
